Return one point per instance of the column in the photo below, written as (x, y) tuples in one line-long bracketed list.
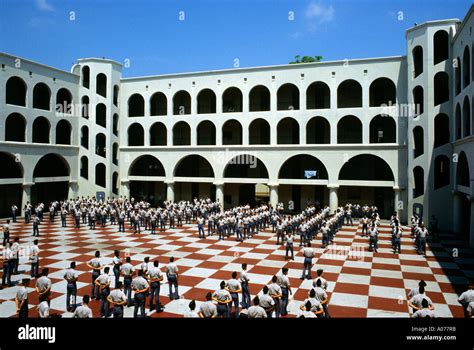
[(456, 212), (333, 200), (26, 195), (170, 191), (220, 194), (125, 188), (73, 189), (274, 195)]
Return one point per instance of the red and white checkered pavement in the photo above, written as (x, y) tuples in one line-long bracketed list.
[(361, 283)]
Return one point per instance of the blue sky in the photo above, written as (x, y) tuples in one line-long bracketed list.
[(213, 34)]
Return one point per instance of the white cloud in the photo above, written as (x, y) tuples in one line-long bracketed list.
[(44, 6), (319, 12)]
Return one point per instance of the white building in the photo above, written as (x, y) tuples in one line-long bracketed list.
[(244, 134)]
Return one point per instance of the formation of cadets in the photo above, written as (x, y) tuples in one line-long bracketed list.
[(137, 287)]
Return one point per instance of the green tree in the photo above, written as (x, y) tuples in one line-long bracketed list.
[(306, 59)]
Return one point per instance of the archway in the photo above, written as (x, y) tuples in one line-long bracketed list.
[(51, 179)]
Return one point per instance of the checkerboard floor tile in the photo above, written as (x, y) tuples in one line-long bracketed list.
[(360, 283)]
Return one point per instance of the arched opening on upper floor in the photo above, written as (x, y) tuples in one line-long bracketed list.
[(115, 153), (42, 97), (15, 92), (41, 130), (318, 131), (417, 54), (288, 97), (462, 170), (206, 133), (115, 124), (383, 129), (182, 103), (318, 96), (288, 132), (458, 122), (259, 99), (136, 135), (15, 128), (441, 171), (382, 92), (158, 104), (366, 167), (259, 132), (466, 67), (64, 101), (63, 132), (441, 88), (232, 133), (441, 130), (457, 75), (418, 181), (115, 100), (206, 102), (181, 134), (418, 141), (440, 46), (146, 165), (100, 175), (115, 184), (466, 116), (100, 145), (349, 94), (86, 76), (101, 85), (193, 166), (303, 166), (84, 168), (85, 107), (418, 100), (158, 134), (101, 115), (85, 137), (349, 130), (136, 106), (232, 100)]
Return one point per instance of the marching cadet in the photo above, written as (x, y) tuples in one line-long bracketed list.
[(256, 311), (289, 245), (365, 224), (117, 261), (325, 233), (465, 299), (322, 296), (121, 221), (397, 239), (279, 229), (34, 259), (154, 278), (144, 266), (43, 309), (43, 286), (315, 304), (153, 223), (274, 291), (15, 256), (284, 283), (180, 217), (208, 309), (415, 301), (63, 217), (77, 218), (422, 234), (140, 287), (118, 299), (324, 283), (200, 222), (103, 282), (71, 277), (21, 299), (92, 224), (96, 266), (172, 276), (234, 288), (307, 313), (36, 223), (83, 311), (127, 271), (425, 311), (308, 254), (191, 313), (162, 221), (267, 302), (223, 299), (7, 257), (373, 239), (244, 282), (6, 233)]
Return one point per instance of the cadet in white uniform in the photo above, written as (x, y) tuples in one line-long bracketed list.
[(172, 276), (71, 277), (127, 271), (191, 313), (155, 277), (234, 288), (118, 299), (256, 311), (103, 282), (208, 309), (465, 299), (244, 282), (96, 266), (140, 287), (22, 299), (308, 254), (223, 299), (84, 310)]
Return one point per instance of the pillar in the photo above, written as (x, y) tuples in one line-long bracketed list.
[(26, 194), (333, 200), (125, 189), (274, 195), (170, 191), (73, 189), (456, 212), (220, 194)]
